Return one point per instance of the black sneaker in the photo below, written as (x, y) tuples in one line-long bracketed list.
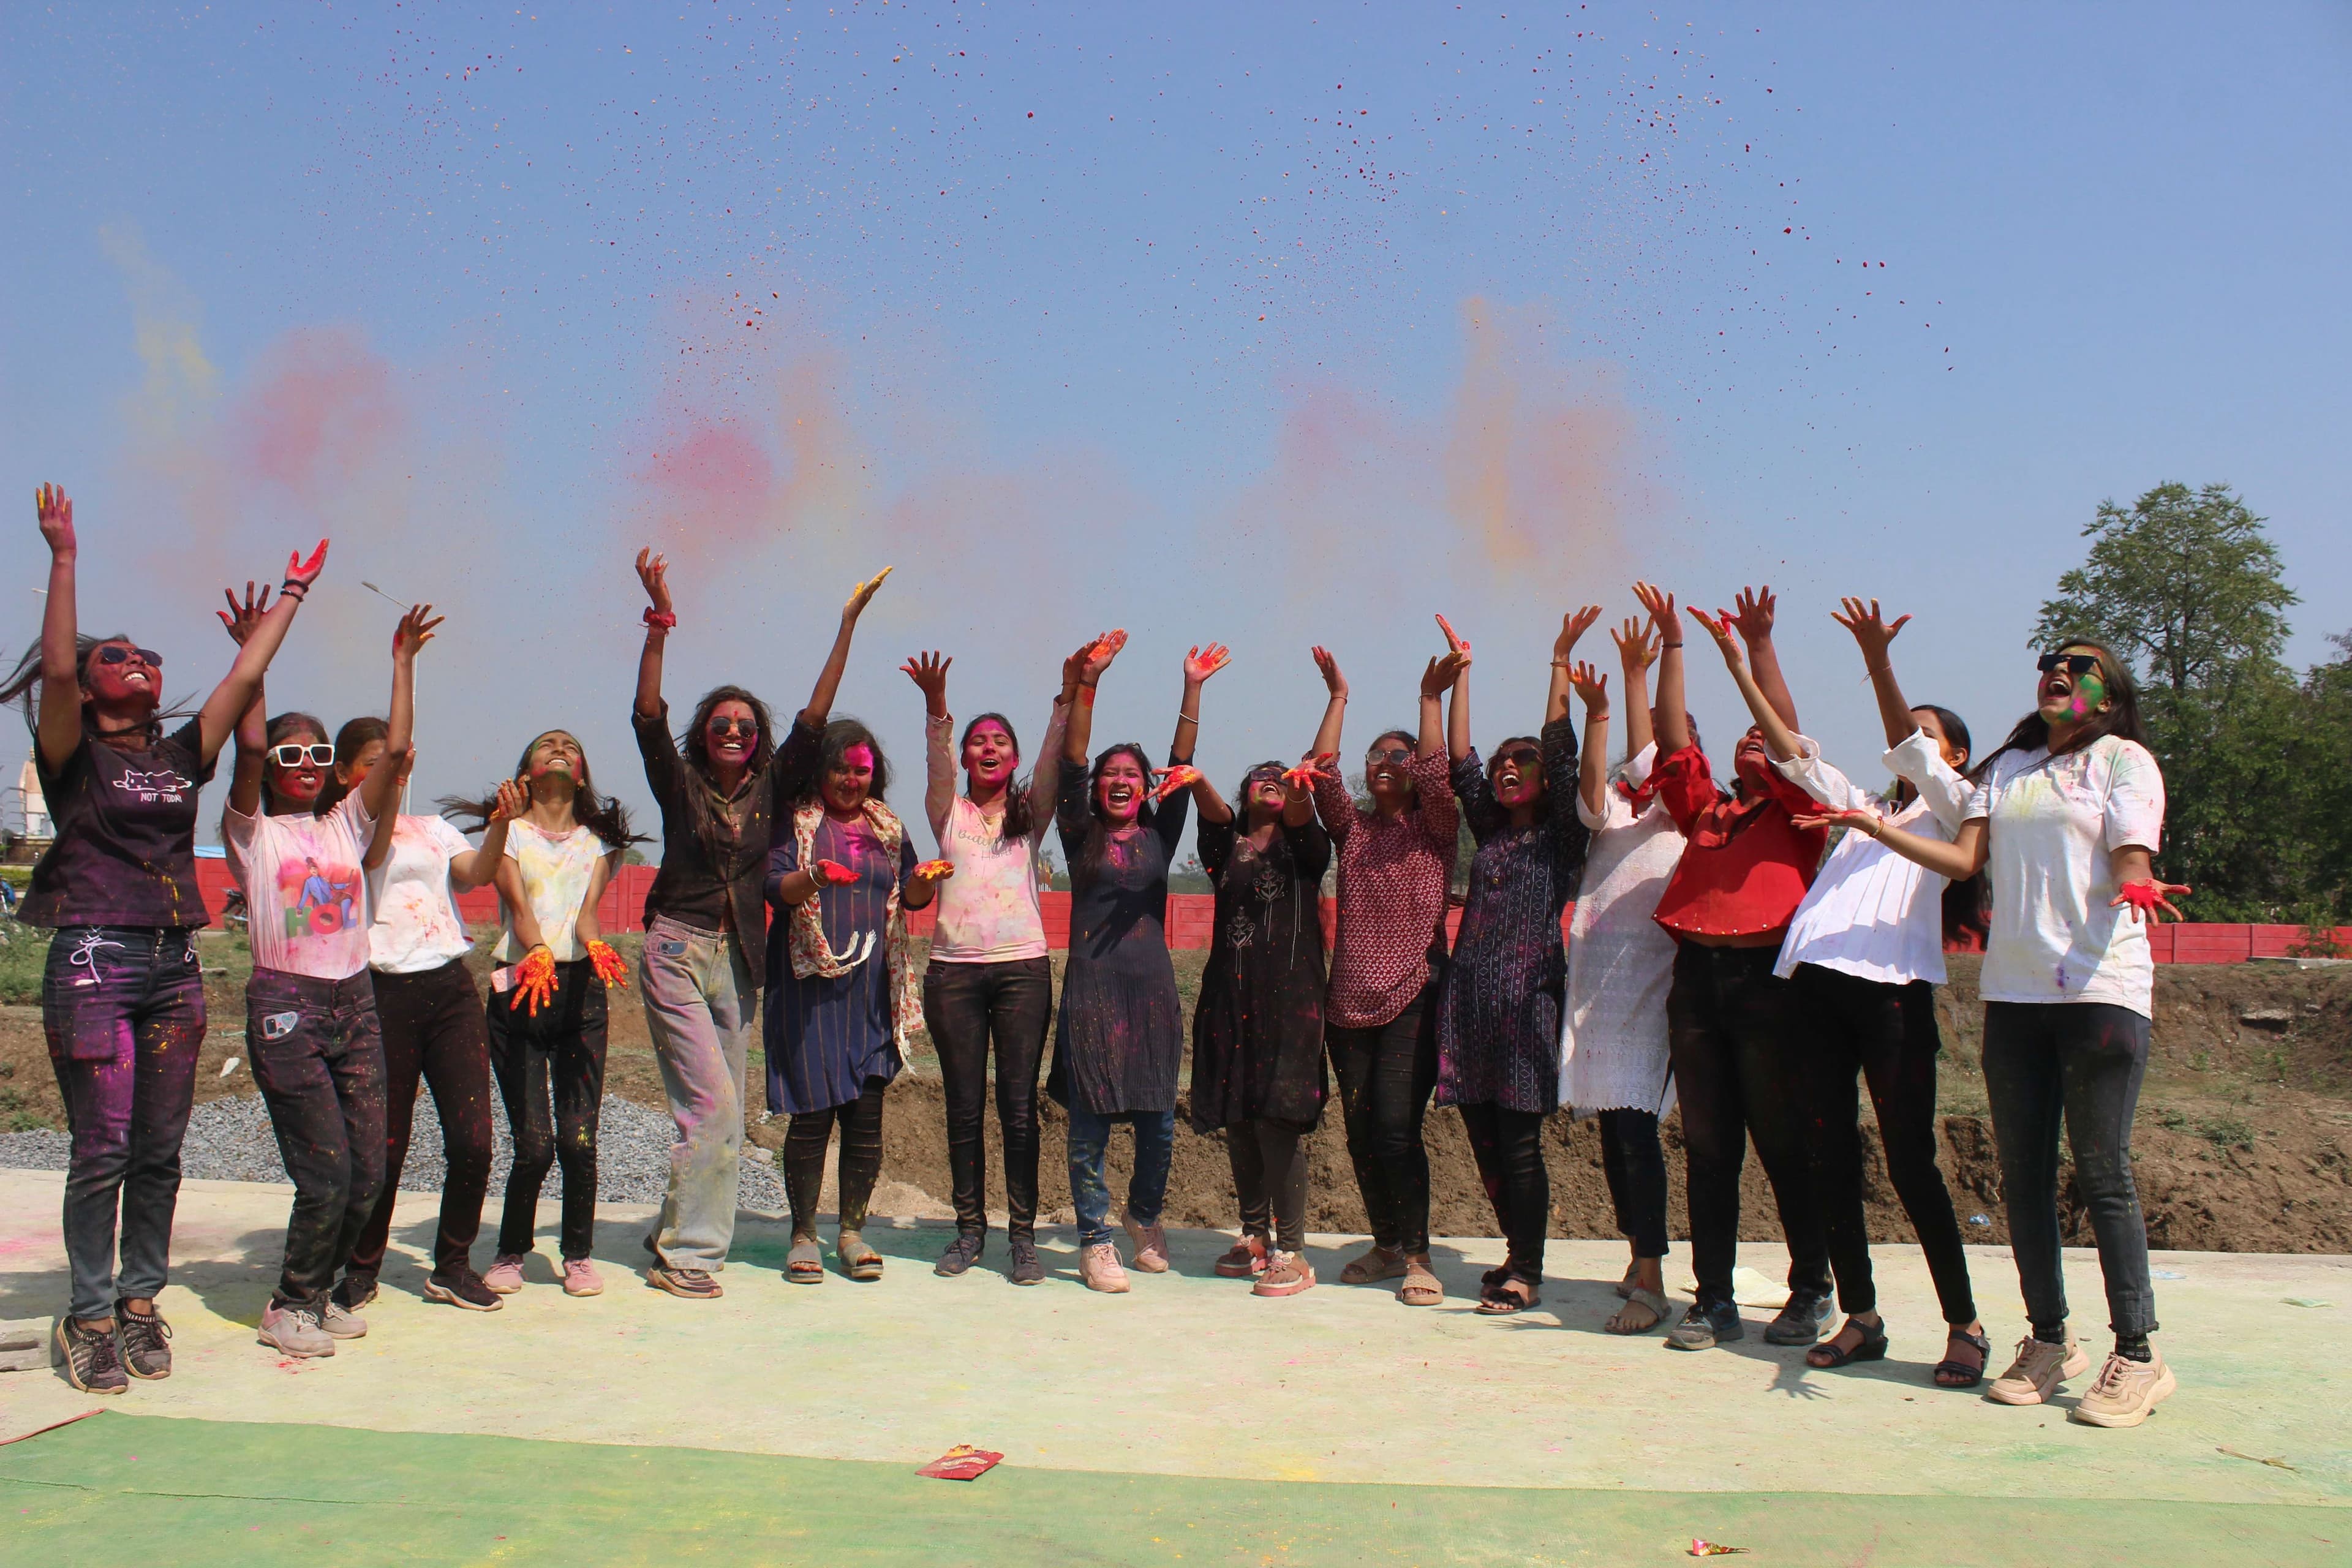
[(1025, 1269), (92, 1360), (459, 1286), (355, 1291), (1705, 1326), (962, 1253), (1799, 1322), (142, 1335)]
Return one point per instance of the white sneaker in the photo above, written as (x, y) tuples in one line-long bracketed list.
[(1099, 1266), (2039, 1369), (2126, 1393), (340, 1321), (295, 1331)]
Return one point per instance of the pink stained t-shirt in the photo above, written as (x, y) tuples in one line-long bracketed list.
[(306, 897), (989, 910)]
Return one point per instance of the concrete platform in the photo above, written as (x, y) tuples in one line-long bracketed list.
[(1349, 1425)]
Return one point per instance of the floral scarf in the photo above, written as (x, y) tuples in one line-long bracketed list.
[(804, 931)]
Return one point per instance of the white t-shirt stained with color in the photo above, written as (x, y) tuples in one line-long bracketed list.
[(555, 870), (2051, 824), (418, 926), (306, 899)]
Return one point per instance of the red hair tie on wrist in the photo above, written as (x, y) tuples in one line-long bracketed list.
[(664, 619)]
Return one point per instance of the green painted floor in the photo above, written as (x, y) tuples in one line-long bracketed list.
[(192, 1492)]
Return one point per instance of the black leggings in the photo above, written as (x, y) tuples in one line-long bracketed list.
[(1270, 1180), (1386, 1074), (1736, 1067), (318, 1054), (558, 1058), (1887, 1033), (433, 1031), (1510, 1148), (1636, 1167), (963, 1006), (860, 1163)]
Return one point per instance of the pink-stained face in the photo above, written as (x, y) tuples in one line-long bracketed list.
[(353, 773), (1519, 775), (990, 757), (1268, 793), (131, 683), (2067, 695), (731, 734), (849, 781), (1120, 789), (297, 787)]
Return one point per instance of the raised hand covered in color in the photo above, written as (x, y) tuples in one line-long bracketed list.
[(1333, 681), (534, 981), (416, 629), (1637, 643), (512, 801), (1200, 663), (2148, 902), (610, 968), (302, 572), (1720, 628), (936, 871), (653, 572), (1456, 647), (863, 594), (1661, 608), (1591, 686), (1317, 766), (55, 509), (831, 874), (1183, 775)]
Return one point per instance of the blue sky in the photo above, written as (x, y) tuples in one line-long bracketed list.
[(1273, 326)]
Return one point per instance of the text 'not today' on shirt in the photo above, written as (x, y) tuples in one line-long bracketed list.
[(306, 896), (124, 854)]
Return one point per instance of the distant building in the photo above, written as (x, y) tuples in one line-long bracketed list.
[(36, 807)]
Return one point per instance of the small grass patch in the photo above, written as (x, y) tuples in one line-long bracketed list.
[(23, 953)]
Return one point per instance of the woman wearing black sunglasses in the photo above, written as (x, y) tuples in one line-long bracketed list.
[(122, 998), (2064, 820)]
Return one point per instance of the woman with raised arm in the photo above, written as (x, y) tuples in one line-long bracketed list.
[(989, 975), (1498, 1021), (311, 1026), (123, 995), (698, 973), (1257, 1031), (1120, 1037), (1388, 958), (1731, 1035), (1619, 967), (2065, 818)]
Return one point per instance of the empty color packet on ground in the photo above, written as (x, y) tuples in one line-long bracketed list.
[(961, 1463)]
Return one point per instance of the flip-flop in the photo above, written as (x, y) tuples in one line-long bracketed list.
[(1650, 1301), (1499, 1301), (804, 1265), (1420, 1287)]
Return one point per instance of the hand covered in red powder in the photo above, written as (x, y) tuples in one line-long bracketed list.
[(1183, 775), (610, 969), (304, 573), (936, 871), (1317, 766), (831, 874), (534, 979), (55, 509), (2149, 901)]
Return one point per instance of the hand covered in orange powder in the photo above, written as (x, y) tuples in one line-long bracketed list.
[(1182, 776), (610, 969), (936, 871), (534, 979)]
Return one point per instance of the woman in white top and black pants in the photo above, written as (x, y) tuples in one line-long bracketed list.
[(1866, 952), (2065, 818)]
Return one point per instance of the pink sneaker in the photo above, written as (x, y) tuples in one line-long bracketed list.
[(1151, 1246), (1286, 1274), (506, 1274), (581, 1278), (1098, 1265)]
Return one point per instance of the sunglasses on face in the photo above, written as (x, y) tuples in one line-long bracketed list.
[(2073, 663), (1526, 756), (293, 755), (115, 653), (735, 727), (1395, 754)]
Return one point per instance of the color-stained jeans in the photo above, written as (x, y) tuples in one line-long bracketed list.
[(1146, 1191), (433, 1031), (123, 1008), (701, 1008), (558, 1058), (2081, 1062), (1386, 1074), (318, 1054), (1270, 1181), (963, 1006), (1740, 1071)]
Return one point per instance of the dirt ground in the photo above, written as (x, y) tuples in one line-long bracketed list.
[(2240, 1145)]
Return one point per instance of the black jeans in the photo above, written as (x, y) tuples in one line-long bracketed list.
[(2083, 1061), (963, 1006), (1738, 1068), (434, 1030), (1508, 1145), (1386, 1074), (1635, 1164), (558, 1058), (859, 1166), (1887, 1033), (1270, 1180), (124, 1009), (318, 1054)]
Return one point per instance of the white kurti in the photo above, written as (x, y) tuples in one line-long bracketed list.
[(1619, 962)]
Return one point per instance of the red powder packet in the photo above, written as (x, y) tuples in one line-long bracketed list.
[(1711, 1549), (961, 1463)]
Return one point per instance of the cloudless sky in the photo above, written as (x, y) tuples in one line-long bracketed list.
[(1269, 325)]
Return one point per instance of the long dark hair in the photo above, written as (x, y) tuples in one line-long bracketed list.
[(1018, 818), (1143, 812), (354, 737), (2122, 719), (1965, 920), (283, 726), (839, 736), (695, 744), (20, 683), (1507, 742), (601, 814), (1240, 796)]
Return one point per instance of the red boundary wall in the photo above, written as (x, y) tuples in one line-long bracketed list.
[(1190, 915)]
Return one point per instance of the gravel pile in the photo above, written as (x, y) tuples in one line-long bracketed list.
[(230, 1141)]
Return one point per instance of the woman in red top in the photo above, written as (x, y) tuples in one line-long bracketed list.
[(1745, 867)]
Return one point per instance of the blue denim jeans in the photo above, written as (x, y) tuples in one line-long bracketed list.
[(1147, 1191), (124, 1009)]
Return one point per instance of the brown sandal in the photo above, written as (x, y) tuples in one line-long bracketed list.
[(1377, 1263), (1421, 1286)]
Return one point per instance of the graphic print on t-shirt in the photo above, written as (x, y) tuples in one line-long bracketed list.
[(163, 786), (319, 900)]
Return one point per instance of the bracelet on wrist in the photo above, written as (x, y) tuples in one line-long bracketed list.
[(663, 620), (290, 589), (1184, 718), (1664, 646)]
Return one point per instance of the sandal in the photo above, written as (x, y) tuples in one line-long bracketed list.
[(861, 1262), (1377, 1263), (1630, 1283), (1950, 1372), (1829, 1355), (1641, 1300), (804, 1265), (1500, 1301), (1420, 1287)]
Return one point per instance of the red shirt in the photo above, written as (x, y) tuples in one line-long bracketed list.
[(1745, 864)]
